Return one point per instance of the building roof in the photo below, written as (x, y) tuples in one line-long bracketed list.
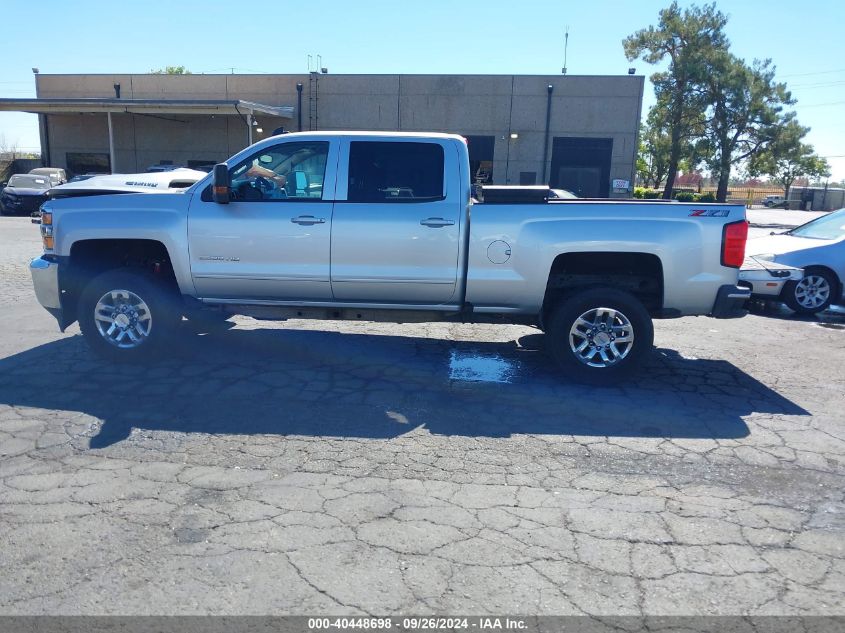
[(144, 106)]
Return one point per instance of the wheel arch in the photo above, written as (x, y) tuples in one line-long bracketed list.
[(637, 272), (88, 258)]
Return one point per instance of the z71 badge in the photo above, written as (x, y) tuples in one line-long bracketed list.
[(710, 213)]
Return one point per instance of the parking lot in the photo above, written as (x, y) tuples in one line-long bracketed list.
[(308, 467)]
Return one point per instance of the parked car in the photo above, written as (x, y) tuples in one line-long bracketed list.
[(770, 201), (561, 194), (255, 238), (23, 194), (819, 248), (57, 175), (173, 181)]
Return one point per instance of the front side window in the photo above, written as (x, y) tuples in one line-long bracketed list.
[(290, 171), (395, 172)]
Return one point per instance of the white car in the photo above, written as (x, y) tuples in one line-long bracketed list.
[(57, 175), (770, 201), (819, 248)]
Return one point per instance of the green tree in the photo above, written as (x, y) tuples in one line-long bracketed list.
[(788, 158), (689, 39), (171, 70), (653, 155), (745, 113)]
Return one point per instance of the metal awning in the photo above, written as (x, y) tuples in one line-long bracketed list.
[(109, 106), (144, 106)]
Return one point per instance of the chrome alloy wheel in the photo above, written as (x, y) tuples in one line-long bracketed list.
[(123, 319), (812, 291), (601, 337)]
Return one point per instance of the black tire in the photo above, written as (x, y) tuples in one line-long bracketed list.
[(801, 296), (624, 356), (160, 300)]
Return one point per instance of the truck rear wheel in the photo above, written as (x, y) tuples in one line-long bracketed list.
[(126, 316), (600, 335)]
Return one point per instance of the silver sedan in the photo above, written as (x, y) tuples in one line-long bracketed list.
[(819, 248)]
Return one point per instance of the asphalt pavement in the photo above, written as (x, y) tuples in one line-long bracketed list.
[(329, 467)]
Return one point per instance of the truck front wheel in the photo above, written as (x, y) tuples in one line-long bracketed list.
[(126, 316), (600, 335)]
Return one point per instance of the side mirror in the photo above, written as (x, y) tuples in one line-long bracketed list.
[(221, 184)]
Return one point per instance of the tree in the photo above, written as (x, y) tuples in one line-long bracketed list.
[(8, 151), (655, 142), (689, 39), (787, 158), (744, 116), (171, 70)]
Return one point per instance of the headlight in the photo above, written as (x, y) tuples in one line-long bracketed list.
[(766, 257), (47, 230)]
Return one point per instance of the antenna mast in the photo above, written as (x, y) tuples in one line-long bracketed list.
[(565, 49)]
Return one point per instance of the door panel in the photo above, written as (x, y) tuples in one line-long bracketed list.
[(400, 244), (248, 250), (272, 241)]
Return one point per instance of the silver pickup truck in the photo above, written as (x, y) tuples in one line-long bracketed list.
[(384, 226)]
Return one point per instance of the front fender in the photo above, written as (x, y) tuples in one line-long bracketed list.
[(161, 218)]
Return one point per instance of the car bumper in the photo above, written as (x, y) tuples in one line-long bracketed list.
[(730, 302), (45, 280), (767, 279)]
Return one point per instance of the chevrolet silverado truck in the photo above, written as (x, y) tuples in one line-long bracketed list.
[(385, 226)]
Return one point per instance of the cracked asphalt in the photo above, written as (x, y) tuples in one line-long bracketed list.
[(343, 468)]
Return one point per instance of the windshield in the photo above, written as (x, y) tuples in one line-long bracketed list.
[(827, 227), (30, 182)]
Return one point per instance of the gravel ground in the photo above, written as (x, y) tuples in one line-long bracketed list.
[(342, 468)]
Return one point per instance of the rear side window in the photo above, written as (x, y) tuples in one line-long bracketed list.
[(395, 172)]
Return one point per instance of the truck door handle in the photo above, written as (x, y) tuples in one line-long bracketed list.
[(435, 222), (307, 219)]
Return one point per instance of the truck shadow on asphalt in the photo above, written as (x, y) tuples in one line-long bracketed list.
[(331, 384)]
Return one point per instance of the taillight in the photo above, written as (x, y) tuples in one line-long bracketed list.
[(734, 236)]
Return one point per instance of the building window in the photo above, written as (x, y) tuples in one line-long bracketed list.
[(395, 172), (527, 178), (481, 158), (87, 163)]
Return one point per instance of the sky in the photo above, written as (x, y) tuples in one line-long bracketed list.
[(427, 36)]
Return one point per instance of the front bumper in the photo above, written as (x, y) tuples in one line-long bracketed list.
[(21, 204), (45, 280), (730, 302), (766, 279)]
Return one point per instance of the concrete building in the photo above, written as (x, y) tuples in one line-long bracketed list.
[(574, 132)]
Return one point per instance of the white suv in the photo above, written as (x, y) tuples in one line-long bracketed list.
[(770, 201)]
